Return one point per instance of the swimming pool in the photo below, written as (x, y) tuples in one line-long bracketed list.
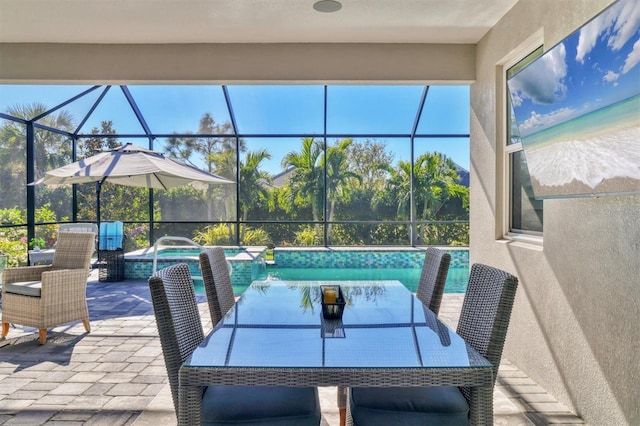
[(364, 263), (307, 263), (456, 279)]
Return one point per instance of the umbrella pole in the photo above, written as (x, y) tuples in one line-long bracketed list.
[(98, 189)]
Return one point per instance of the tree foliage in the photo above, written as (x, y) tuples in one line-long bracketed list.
[(353, 187)]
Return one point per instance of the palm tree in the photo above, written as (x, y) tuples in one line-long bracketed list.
[(438, 183), (400, 188), (12, 158), (50, 149), (306, 181), (252, 182), (12, 142), (435, 181), (224, 164), (339, 177)]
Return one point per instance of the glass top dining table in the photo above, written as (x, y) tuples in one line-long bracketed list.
[(276, 335)]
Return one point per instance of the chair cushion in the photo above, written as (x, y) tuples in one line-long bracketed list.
[(409, 406), (260, 405), (25, 288)]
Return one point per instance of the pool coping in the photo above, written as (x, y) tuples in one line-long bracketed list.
[(367, 248), (146, 254)]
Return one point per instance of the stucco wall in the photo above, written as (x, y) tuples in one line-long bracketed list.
[(575, 326)]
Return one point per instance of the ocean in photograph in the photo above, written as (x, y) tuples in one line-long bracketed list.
[(583, 154)]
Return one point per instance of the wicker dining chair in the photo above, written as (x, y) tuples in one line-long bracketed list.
[(430, 288), (217, 283), (180, 330), (44, 296), (433, 278), (483, 324)]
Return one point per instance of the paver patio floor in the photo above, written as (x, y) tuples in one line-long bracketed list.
[(115, 375)]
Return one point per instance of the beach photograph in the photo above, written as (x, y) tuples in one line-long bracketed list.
[(577, 109)]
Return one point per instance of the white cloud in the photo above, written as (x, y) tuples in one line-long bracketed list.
[(626, 25), (516, 99), (590, 32), (633, 59), (610, 76), (537, 122), (542, 81), (622, 20)]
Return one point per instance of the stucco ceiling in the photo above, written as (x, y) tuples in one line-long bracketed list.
[(248, 21)]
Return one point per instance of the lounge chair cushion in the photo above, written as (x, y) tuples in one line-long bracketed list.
[(260, 405), (409, 406), (25, 288)]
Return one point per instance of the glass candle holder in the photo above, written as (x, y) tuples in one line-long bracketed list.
[(330, 295)]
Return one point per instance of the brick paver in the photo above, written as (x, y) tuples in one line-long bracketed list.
[(115, 375)]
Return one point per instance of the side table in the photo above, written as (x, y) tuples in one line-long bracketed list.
[(41, 257)]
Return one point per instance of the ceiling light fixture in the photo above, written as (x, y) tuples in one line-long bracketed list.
[(327, 6)]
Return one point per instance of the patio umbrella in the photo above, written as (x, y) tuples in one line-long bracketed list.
[(128, 165)]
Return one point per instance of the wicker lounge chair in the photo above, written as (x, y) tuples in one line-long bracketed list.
[(81, 227), (78, 227), (48, 295), (483, 323), (180, 329), (217, 283)]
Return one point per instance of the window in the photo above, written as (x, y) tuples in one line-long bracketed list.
[(525, 212)]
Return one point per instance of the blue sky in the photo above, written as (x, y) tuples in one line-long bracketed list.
[(597, 65), (284, 110)]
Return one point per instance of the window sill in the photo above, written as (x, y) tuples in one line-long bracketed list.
[(533, 242)]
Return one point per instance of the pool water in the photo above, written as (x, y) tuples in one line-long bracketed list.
[(304, 266), (456, 279)]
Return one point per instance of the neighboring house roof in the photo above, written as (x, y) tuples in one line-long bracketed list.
[(281, 179), (463, 175)]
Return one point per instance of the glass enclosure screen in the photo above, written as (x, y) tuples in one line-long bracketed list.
[(305, 165)]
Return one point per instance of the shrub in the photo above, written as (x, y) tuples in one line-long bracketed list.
[(224, 235), (255, 237), (137, 237), (307, 237), (214, 235), (16, 250)]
